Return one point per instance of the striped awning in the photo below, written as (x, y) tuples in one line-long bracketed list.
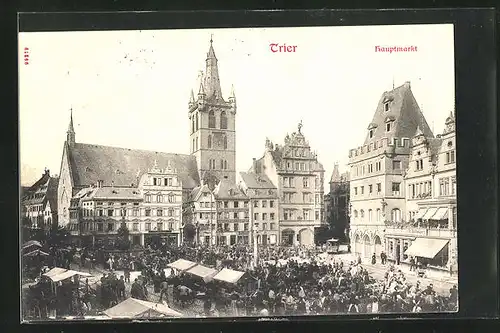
[(421, 213), (441, 214), (430, 212)]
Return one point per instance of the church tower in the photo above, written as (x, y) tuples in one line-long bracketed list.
[(212, 126)]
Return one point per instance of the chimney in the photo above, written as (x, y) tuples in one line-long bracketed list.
[(46, 172), (99, 183), (254, 164), (407, 84)]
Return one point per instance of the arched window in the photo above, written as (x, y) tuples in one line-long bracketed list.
[(225, 142), (378, 214), (396, 215), (197, 116), (222, 164), (211, 120), (192, 125), (193, 144), (370, 215), (196, 143), (225, 165), (209, 141), (362, 215), (223, 120)]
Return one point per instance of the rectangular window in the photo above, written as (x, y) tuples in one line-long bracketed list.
[(235, 215), (305, 182), (235, 226), (110, 212), (100, 227), (170, 225), (272, 226), (159, 212), (292, 182), (148, 212), (396, 188), (226, 204), (362, 190), (355, 191), (264, 226), (264, 203), (148, 226), (396, 165), (264, 216), (110, 226), (245, 227), (159, 226), (236, 204), (135, 212), (226, 226), (271, 203), (379, 187), (245, 204), (100, 212), (316, 215), (135, 227), (388, 127), (271, 216), (285, 215), (255, 216), (256, 203), (370, 189), (154, 181)]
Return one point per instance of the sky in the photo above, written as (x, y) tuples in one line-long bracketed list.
[(131, 88)]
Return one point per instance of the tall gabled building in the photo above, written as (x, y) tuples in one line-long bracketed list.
[(213, 126), (377, 192), (337, 203), (299, 177)]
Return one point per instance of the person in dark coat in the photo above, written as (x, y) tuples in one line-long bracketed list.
[(374, 259), (136, 290), (121, 287)]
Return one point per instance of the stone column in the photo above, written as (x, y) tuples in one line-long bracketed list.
[(142, 240), (401, 250), (451, 217)]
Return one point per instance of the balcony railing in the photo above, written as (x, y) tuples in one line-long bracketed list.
[(427, 232)]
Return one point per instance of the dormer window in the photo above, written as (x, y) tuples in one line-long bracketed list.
[(388, 127), (371, 133), (386, 106)]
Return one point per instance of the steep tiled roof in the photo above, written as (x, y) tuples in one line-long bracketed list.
[(405, 113), (256, 181), (122, 166), (52, 193), (116, 193), (227, 190)]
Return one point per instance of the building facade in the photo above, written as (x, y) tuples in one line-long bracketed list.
[(264, 208), (39, 204), (213, 126), (299, 177), (233, 219), (430, 231), (377, 192), (337, 204), (152, 211), (202, 213)]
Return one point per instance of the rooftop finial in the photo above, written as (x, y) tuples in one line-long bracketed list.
[(393, 82), (211, 38), (300, 126)]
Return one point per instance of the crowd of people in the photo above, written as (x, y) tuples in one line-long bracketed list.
[(276, 285)]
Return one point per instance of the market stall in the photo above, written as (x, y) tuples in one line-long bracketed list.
[(135, 308), (181, 265), (205, 273)]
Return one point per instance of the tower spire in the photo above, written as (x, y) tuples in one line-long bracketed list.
[(212, 82), (191, 98), (70, 134)]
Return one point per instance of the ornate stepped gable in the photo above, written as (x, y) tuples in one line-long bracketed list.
[(114, 166)]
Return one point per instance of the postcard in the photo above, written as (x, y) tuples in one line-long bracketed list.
[(239, 172)]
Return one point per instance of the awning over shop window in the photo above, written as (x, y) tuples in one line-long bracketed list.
[(421, 213), (441, 214), (429, 213), (426, 247)]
